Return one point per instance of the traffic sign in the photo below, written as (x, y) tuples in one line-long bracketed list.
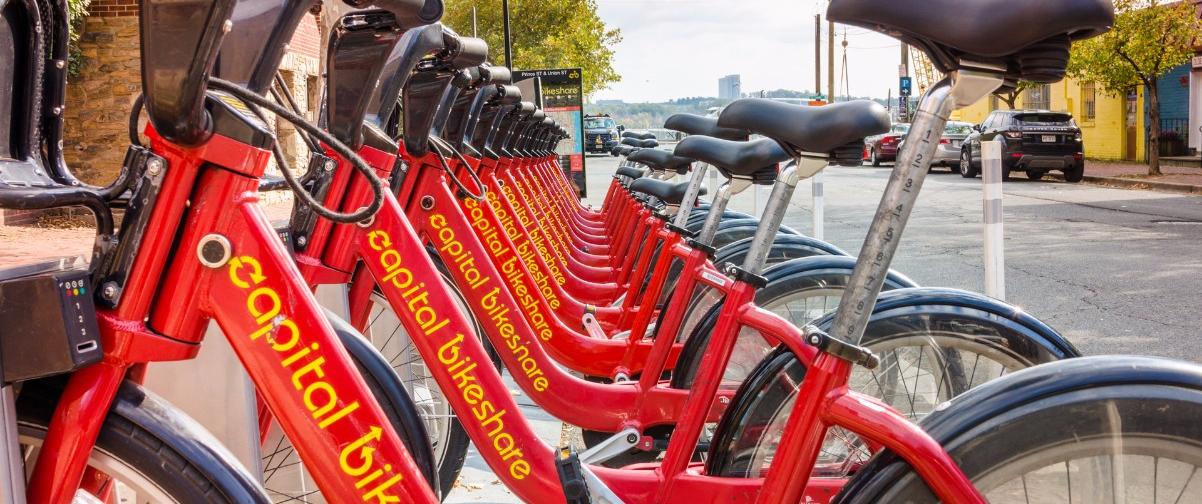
[(905, 85)]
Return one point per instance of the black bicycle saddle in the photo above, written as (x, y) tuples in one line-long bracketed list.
[(640, 144), (1030, 37), (638, 136), (661, 160), (755, 159), (693, 124), (668, 192), (624, 150), (630, 172), (808, 129)]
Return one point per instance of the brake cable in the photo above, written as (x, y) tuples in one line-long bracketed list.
[(439, 142), (254, 100)]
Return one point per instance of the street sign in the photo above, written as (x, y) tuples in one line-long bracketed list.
[(1197, 62), (560, 93), (905, 84)]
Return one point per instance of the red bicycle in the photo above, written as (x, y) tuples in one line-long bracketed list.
[(1000, 418)]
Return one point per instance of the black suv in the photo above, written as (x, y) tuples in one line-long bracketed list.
[(1033, 141), (600, 133)]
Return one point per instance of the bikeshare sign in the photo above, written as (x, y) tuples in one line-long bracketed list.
[(560, 93)]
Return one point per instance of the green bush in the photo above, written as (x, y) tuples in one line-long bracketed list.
[(76, 11)]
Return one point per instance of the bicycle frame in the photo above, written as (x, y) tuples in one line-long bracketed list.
[(393, 254), (250, 286)]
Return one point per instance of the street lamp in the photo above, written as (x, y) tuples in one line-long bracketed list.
[(508, 42)]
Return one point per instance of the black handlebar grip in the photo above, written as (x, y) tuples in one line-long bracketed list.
[(499, 75), (469, 52)]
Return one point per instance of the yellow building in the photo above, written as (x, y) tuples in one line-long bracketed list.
[(1111, 126)]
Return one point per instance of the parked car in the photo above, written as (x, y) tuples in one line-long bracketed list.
[(948, 152), (884, 147), (1033, 141), (601, 133)]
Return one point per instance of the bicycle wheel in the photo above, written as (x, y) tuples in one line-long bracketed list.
[(800, 290), (145, 458), (284, 474), (1134, 442), (934, 344), (447, 437)]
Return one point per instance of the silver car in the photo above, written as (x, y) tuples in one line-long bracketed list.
[(948, 153)]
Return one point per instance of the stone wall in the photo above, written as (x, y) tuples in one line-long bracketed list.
[(99, 98)]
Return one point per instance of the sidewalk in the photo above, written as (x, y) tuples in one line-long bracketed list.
[(1135, 176)]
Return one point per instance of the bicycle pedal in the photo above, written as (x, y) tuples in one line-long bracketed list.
[(571, 476)]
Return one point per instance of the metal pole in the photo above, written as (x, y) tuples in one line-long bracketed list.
[(475, 26), (508, 40), (995, 251), (819, 210), (817, 54), (830, 61)]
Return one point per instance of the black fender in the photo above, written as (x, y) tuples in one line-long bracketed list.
[(186, 436), (733, 230), (376, 368), (777, 276), (927, 301), (779, 271), (785, 246), (697, 218), (954, 418)]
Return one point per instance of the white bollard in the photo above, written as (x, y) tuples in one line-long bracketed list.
[(819, 210), (995, 247)]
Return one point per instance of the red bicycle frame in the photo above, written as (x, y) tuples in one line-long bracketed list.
[(392, 251), (253, 290)]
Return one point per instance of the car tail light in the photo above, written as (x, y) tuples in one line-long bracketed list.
[(944, 141), (1013, 134), (1016, 155), (1078, 156), (889, 140)]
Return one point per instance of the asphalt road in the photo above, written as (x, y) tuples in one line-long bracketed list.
[(1114, 270)]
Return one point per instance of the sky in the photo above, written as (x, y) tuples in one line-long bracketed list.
[(680, 48)]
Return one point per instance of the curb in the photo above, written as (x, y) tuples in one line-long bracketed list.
[(1125, 183)]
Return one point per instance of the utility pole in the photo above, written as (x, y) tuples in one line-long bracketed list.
[(508, 41), (830, 60), (817, 54), (903, 95)]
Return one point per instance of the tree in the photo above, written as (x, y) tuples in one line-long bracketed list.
[(76, 11), (1149, 38), (1010, 95), (546, 34)]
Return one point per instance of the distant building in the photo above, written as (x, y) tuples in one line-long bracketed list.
[(730, 87)]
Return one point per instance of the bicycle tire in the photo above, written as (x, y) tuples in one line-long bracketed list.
[(145, 435), (1056, 414), (398, 406)]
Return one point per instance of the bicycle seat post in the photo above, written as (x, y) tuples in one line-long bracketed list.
[(722, 197), (778, 203), (961, 88), (690, 196)]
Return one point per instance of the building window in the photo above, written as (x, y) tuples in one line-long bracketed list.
[(1089, 95), (1039, 96)]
